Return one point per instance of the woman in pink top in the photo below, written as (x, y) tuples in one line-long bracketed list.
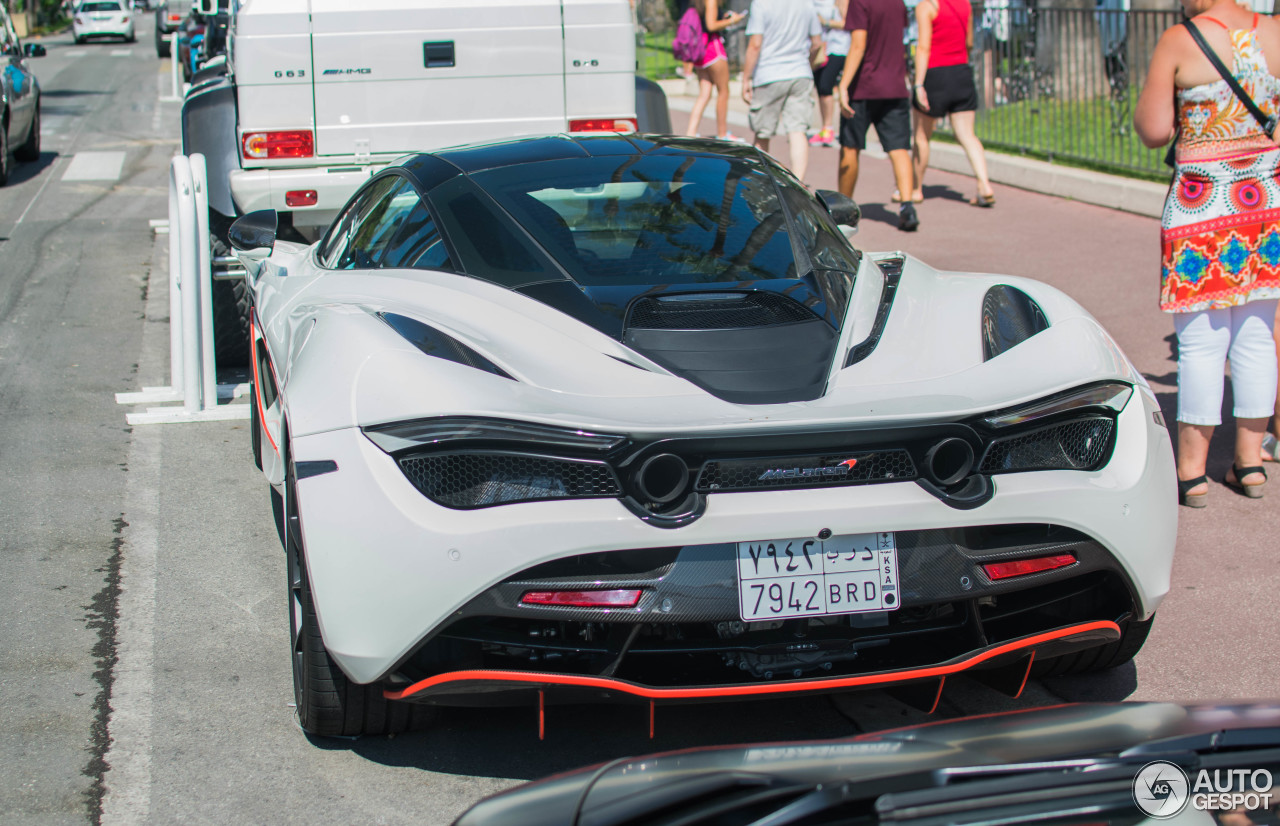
[(714, 68), (944, 87)]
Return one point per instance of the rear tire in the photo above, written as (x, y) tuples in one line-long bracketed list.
[(329, 704), (232, 304), (1100, 658), (30, 149)]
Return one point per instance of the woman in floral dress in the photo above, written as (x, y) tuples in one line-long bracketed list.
[(1220, 235)]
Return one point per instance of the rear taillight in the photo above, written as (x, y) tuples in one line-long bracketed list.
[(1022, 567), (301, 197), (584, 599), (175, 18), (297, 143), (602, 125)]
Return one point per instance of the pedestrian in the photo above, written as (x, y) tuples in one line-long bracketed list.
[(827, 75), (784, 38), (873, 92), (944, 88), (1220, 243), (713, 70), (1271, 439)]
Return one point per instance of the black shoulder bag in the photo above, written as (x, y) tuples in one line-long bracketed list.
[(1268, 124)]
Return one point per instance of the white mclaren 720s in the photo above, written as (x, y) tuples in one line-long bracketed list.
[(627, 418)]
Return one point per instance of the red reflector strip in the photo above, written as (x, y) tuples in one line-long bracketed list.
[(301, 198), (584, 599), (602, 125), (1022, 567), (267, 145)]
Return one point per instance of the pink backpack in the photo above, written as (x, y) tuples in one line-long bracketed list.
[(690, 44)]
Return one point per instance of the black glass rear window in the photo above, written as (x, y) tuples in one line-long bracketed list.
[(487, 245), (653, 219)]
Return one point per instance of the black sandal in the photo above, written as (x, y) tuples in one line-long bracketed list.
[(1196, 500), (1251, 491)]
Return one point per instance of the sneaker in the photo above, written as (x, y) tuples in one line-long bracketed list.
[(729, 136), (827, 137), (908, 221)]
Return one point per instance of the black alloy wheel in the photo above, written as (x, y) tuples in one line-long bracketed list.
[(329, 704)]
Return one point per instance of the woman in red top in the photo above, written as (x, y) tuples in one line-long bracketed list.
[(944, 87)]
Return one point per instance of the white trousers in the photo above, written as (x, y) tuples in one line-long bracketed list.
[(1206, 340)]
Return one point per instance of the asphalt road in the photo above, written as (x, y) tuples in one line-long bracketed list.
[(144, 672)]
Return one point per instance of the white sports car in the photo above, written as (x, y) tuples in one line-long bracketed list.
[(628, 418)]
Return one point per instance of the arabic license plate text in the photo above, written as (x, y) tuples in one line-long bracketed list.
[(807, 577)]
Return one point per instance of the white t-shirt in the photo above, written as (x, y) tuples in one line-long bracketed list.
[(838, 40), (787, 27)]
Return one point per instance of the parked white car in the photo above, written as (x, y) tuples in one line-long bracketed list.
[(103, 18)]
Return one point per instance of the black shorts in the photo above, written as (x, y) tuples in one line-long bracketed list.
[(950, 89), (891, 118), (826, 76)]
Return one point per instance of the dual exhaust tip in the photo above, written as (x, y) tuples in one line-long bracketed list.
[(664, 478)]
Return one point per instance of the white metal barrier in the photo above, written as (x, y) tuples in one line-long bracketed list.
[(175, 70), (191, 353)]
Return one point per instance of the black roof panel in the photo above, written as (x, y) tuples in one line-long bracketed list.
[(527, 150)]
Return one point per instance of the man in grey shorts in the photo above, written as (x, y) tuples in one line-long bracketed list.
[(783, 38)]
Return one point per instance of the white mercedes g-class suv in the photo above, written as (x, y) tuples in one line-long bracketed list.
[(314, 96)]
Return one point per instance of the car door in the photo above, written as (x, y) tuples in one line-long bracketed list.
[(19, 84)]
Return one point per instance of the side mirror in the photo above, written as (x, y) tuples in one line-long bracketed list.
[(253, 237), (207, 7), (33, 50), (841, 207)]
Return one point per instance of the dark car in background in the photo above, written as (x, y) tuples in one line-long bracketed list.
[(19, 99)]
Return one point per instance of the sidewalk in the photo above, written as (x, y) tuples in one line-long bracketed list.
[(1113, 191)]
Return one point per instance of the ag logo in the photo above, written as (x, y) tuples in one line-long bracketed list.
[(1161, 789)]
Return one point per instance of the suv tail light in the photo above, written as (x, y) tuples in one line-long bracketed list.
[(602, 125), (270, 145)]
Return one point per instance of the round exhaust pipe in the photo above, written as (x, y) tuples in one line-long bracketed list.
[(662, 479), (949, 461)]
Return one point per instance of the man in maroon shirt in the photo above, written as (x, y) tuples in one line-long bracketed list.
[(873, 91)]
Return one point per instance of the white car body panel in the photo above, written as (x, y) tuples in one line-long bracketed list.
[(377, 592), (359, 373)]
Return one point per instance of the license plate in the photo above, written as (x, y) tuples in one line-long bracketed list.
[(809, 577)]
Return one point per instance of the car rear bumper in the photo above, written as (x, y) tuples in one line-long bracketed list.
[(1015, 657), (103, 30), (254, 189), (390, 569)]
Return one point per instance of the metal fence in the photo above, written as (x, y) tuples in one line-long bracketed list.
[(1061, 84), (1053, 83)]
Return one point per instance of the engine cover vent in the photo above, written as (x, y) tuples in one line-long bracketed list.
[(715, 311)]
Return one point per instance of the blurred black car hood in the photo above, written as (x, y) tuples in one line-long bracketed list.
[(888, 761)]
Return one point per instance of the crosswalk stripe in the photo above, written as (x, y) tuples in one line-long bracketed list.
[(76, 53), (95, 166), (121, 52)]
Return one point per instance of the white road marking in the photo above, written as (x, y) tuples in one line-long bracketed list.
[(76, 53), (121, 52), (95, 166), (36, 197), (128, 778)]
